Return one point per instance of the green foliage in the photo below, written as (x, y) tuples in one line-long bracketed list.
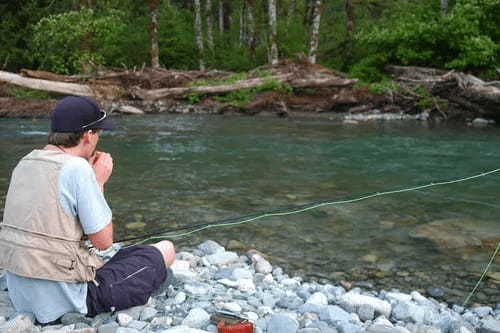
[(426, 100), (220, 81), (243, 97), (175, 38), (17, 18), (29, 93), (195, 97), (73, 41), (238, 98), (274, 85), (417, 34)]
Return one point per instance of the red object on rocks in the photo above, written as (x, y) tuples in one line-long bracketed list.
[(243, 327)]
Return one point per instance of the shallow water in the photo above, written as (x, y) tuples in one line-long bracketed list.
[(177, 170)]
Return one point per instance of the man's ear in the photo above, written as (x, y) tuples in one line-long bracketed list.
[(86, 136)]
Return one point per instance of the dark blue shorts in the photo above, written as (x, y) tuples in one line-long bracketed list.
[(128, 279)]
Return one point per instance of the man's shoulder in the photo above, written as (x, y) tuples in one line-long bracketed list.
[(77, 164)]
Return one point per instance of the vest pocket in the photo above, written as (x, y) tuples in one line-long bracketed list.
[(66, 263)]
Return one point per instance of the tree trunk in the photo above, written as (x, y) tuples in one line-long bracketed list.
[(243, 37), (273, 33), (349, 11), (221, 16), (228, 19), (210, 28), (199, 34), (291, 10), (153, 33), (251, 29), (444, 7), (314, 40), (308, 18)]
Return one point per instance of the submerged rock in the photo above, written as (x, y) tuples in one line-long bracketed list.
[(458, 233)]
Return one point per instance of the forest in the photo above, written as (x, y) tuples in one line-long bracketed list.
[(356, 39)]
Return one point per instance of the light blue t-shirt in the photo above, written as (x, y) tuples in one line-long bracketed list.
[(80, 196)]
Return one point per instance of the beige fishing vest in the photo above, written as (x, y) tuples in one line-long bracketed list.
[(38, 238)]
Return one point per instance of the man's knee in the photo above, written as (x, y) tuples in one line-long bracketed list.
[(168, 251)]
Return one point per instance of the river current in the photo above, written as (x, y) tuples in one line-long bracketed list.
[(177, 170)]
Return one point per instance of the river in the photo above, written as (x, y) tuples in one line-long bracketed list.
[(177, 170)]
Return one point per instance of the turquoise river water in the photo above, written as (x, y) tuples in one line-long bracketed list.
[(175, 170)]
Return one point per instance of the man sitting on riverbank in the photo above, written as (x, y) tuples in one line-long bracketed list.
[(55, 201)]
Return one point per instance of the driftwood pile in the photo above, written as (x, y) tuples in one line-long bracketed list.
[(448, 95), (452, 94), (156, 84)]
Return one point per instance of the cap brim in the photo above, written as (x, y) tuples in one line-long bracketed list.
[(105, 124)]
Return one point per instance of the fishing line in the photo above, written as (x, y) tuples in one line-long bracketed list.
[(162, 234), (482, 276), (295, 210)]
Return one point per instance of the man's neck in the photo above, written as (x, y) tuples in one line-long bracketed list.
[(74, 151)]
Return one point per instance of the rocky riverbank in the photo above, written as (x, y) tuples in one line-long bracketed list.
[(33, 108), (209, 279)]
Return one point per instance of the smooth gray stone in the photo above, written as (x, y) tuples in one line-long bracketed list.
[(309, 307), (223, 273), (408, 312), (196, 318), (108, 328), (261, 323), (347, 327), (304, 294), (490, 326), (148, 313), (242, 273), (222, 258), (127, 330), (333, 314), (134, 312), (210, 247), (81, 326), (269, 300), (366, 312), (291, 302), (381, 329), (197, 288), (6, 308), (137, 325), (22, 323), (416, 328), (74, 318), (435, 292), (281, 323), (460, 327), (482, 311)]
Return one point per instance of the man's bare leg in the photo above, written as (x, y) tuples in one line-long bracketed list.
[(168, 251)]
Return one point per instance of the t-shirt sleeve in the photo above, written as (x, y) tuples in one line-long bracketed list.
[(81, 196)]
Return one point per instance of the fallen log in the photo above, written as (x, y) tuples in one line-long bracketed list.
[(43, 75), (244, 84), (224, 88), (47, 85)]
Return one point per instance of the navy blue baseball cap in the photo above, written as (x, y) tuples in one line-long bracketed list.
[(77, 114)]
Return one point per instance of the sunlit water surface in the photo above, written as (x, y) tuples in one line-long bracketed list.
[(177, 170)]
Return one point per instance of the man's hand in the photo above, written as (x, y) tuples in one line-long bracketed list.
[(102, 163)]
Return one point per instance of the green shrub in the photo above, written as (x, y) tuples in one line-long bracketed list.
[(76, 41), (417, 34)]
